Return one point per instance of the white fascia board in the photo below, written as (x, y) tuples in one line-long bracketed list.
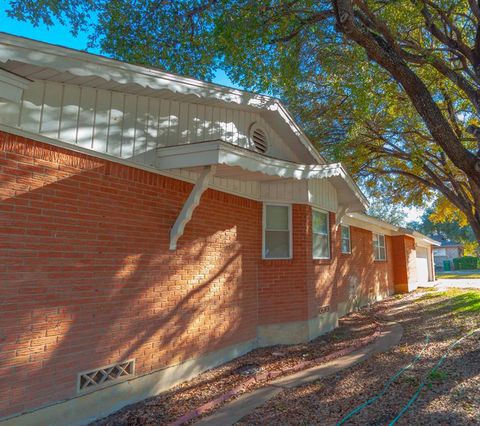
[(85, 64), (12, 86)]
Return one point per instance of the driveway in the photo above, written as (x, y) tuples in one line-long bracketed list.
[(444, 283)]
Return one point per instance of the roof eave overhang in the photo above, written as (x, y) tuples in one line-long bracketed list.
[(419, 237), (218, 152), (83, 64), (377, 225)]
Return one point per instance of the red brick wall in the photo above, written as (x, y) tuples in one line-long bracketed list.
[(282, 283), (345, 276), (87, 278), (298, 289), (404, 267)]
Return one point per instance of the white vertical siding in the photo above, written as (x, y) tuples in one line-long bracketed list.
[(317, 192), (289, 191), (102, 115), (127, 125), (322, 193), (86, 118), (69, 113)]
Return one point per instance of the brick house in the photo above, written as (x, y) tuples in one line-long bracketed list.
[(154, 226), (446, 252)]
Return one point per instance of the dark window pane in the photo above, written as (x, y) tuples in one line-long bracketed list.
[(277, 244)]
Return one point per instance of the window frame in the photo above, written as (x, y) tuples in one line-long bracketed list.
[(264, 230), (329, 235), (349, 239), (384, 246)]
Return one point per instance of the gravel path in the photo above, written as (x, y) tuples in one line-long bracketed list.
[(452, 396), (169, 406)]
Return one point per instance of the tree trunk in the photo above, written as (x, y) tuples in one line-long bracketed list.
[(474, 221), (385, 55)]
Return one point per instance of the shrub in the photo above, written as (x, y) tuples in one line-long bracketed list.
[(466, 262)]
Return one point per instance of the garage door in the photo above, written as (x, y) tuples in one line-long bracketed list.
[(422, 265)]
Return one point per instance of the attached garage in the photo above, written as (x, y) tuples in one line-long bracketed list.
[(422, 264)]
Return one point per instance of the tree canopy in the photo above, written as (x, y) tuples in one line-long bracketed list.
[(450, 227), (391, 88)]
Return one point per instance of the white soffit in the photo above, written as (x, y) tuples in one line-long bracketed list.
[(41, 60), (379, 226), (240, 163), (12, 86), (421, 239)]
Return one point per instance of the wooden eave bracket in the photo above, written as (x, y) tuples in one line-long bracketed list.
[(190, 205), (341, 212)]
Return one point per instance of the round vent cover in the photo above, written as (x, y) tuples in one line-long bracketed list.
[(259, 138)]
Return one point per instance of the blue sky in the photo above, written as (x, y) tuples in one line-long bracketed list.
[(60, 34)]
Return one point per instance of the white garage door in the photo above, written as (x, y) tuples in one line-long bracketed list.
[(422, 265)]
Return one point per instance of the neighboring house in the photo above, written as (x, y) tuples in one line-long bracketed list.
[(447, 251), (154, 226)]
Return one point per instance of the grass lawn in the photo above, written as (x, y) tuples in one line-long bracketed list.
[(459, 274)]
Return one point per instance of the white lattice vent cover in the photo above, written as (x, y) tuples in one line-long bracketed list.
[(106, 375), (324, 309)]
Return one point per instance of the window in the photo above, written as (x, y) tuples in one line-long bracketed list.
[(346, 246), (379, 247), (277, 237), (321, 235)]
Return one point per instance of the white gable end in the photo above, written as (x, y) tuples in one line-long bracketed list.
[(131, 126)]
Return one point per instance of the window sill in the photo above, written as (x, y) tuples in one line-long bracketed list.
[(380, 260), (268, 259), (325, 261)]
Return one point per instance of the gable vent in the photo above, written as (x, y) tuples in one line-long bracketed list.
[(105, 375), (259, 138)]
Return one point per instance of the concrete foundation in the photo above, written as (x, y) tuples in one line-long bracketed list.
[(296, 332), (86, 408)]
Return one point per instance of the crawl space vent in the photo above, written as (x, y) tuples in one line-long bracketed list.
[(324, 309), (106, 375), (259, 138)]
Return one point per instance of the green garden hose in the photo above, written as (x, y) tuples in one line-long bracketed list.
[(387, 385), (424, 382)]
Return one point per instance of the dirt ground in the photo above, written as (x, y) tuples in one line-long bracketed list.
[(451, 395), (169, 406), (432, 320)]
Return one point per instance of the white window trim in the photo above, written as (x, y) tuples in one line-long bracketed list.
[(264, 229), (349, 239), (384, 247), (328, 235)]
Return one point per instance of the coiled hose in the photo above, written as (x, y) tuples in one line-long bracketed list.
[(387, 385)]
